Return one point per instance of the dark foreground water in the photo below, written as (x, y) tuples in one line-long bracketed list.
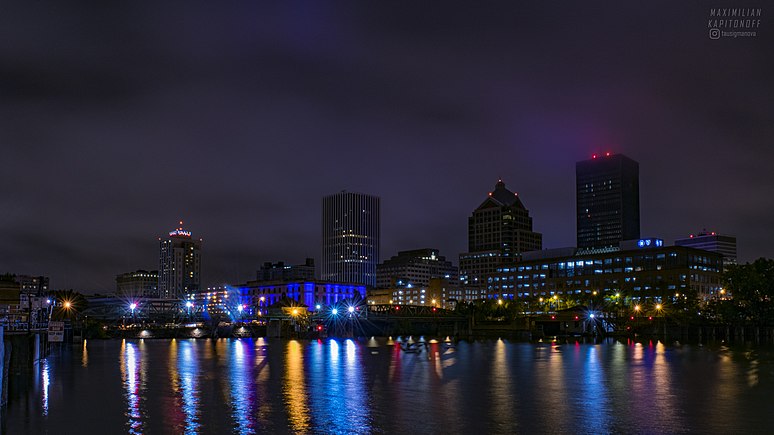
[(370, 386)]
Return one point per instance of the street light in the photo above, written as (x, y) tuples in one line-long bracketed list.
[(351, 309), (334, 311)]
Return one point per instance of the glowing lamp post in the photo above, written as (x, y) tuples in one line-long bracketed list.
[(132, 307)]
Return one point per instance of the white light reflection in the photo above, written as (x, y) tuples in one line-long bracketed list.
[(241, 391), (46, 384), (187, 367), (131, 381)]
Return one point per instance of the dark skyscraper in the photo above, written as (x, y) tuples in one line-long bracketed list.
[(608, 201), (179, 264), (350, 238), (499, 230)]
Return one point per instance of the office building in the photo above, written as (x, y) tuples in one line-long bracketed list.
[(285, 272), (647, 270), (607, 202), (499, 230), (416, 267), (179, 264), (714, 242), (138, 284), (350, 238)]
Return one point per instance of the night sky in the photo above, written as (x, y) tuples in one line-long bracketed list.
[(118, 120)]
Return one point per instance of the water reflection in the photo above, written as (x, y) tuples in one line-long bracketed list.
[(340, 399), (502, 396), (242, 393), (46, 376), (593, 398), (84, 355), (132, 375), (183, 372), (295, 388), (350, 386)]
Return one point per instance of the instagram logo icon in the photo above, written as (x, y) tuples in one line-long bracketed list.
[(714, 33)]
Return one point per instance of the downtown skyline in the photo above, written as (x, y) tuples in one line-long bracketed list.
[(118, 123)]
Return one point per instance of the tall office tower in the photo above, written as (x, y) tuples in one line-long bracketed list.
[(608, 201), (499, 231), (179, 264), (712, 241), (350, 238)]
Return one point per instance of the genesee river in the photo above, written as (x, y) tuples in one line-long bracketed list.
[(246, 386)]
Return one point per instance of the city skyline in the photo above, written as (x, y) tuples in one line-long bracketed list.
[(112, 135)]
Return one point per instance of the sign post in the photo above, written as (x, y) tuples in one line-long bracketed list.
[(55, 332)]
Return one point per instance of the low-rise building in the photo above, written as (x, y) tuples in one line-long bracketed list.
[(649, 271), (714, 242), (138, 284), (286, 272)]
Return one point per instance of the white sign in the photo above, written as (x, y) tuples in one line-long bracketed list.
[(55, 332)]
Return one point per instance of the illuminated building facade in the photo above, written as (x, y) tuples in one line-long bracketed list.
[(309, 293), (179, 264), (499, 231), (141, 283), (640, 273), (607, 201), (350, 238), (714, 242)]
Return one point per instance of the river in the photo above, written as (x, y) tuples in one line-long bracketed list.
[(246, 386)]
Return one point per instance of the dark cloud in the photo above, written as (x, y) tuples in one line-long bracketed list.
[(119, 120)]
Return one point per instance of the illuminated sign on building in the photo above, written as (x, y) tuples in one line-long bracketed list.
[(180, 232), (650, 243)]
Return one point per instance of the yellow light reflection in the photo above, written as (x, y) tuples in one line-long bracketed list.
[(295, 388), (85, 355)]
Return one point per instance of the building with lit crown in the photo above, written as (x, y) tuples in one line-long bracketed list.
[(714, 242), (499, 231), (607, 202), (179, 264), (350, 238)]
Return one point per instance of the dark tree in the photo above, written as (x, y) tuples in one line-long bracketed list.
[(752, 289)]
